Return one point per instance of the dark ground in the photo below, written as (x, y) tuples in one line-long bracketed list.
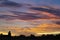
[(31, 37)]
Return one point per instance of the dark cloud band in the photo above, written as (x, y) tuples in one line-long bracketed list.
[(10, 3), (52, 11)]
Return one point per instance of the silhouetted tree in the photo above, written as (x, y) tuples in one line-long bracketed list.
[(9, 33)]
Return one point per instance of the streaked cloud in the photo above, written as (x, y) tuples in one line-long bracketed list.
[(7, 3), (28, 16), (51, 11)]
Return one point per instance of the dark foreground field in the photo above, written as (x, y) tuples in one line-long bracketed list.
[(31, 37)]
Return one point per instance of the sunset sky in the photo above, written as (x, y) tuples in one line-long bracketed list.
[(30, 17)]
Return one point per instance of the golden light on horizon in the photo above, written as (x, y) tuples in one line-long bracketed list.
[(5, 33), (44, 28)]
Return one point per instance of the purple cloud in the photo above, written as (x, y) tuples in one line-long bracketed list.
[(23, 16), (9, 3), (29, 16), (8, 17), (57, 22), (52, 11)]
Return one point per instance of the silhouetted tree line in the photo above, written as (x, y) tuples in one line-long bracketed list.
[(31, 37)]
